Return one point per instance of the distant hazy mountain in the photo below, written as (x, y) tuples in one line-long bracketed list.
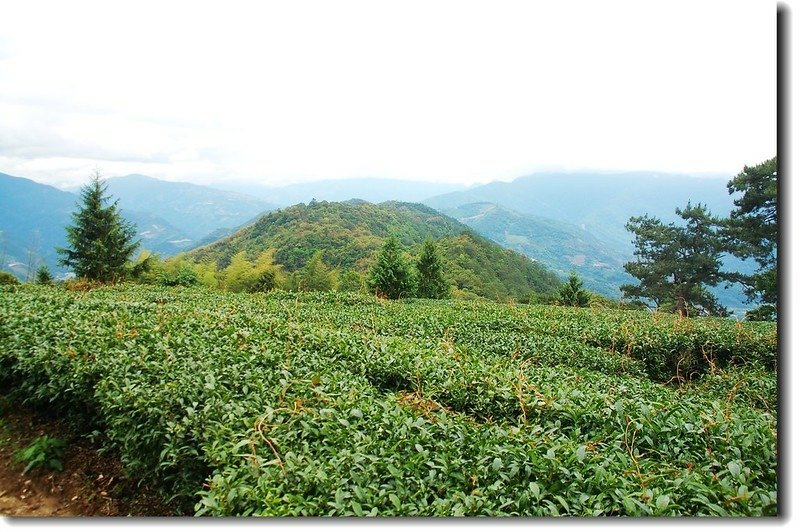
[(194, 210), (34, 216), (600, 203), (577, 221), (370, 189), (351, 233), (158, 235), (560, 246)]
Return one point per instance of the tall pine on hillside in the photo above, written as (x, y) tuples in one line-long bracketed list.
[(390, 276), (431, 283), (100, 243)]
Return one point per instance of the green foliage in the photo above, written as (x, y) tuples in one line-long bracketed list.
[(762, 313), (43, 452), (350, 234), (431, 282), (147, 268), (316, 276), (341, 404), (753, 229), (572, 293), (43, 275), (8, 279), (675, 265), (239, 275), (265, 282), (352, 281), (185, 276), (175, 271), (390, 275), (100, 241)]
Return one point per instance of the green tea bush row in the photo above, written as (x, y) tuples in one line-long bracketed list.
[(345, 405)]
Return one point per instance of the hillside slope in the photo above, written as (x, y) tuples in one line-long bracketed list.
[(32, 216), (194, 210), (560, 246), (351, 233), (600, 203)]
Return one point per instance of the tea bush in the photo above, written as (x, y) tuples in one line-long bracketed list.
[(343, 404)]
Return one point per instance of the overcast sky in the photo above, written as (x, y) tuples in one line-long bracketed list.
[(440, 91)]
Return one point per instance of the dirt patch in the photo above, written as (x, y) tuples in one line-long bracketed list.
[(90, 484)]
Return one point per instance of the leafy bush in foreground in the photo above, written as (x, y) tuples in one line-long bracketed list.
[(326, 404)]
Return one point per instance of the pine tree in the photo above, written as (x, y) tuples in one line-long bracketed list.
[(101, 241), (431, 283), (43, 275), (390, 276), (753, 230), (675, 264), (572, 294)]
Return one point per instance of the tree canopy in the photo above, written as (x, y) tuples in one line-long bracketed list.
[(390, 275), (101, 242), (675, 264), (431, 282), (572, 293), (753, 231)]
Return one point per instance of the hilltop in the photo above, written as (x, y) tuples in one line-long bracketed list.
[(350, 234)]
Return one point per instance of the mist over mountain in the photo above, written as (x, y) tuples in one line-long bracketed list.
[(32, 219), (576, 221)]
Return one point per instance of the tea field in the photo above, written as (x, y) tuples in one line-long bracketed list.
[(341, 404)]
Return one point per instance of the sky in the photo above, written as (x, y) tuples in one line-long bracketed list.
[(459, 92)]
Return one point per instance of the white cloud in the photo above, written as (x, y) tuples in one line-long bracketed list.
[(458, 91)]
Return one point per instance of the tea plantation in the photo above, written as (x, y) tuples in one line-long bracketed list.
[(340, 404)]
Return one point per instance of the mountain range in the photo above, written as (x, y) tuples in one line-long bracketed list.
[(576, 221), (600, 203), (193, 209), (560, 246), (563, 221), (169, 217)]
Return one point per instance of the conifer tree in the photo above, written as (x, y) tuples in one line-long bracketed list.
[(390, 276), (676, 264), (100, 243), (43, 275), (572, 294), (753, 230), (431, 283)]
